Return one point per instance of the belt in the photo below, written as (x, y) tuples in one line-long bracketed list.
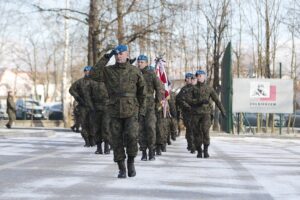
[(150, 95), (123, 94)]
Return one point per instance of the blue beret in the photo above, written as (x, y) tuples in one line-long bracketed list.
[(189, 75), (120, 48), (87, 68), (200, 71), (142, 57)]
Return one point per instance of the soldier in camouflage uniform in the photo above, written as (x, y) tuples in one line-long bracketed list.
[(81, 91), (10, 109), (185, 111), (100, 100), (161, 126), (147, 128), (172, 134), (201, 108), (100, 119), (126, 90)]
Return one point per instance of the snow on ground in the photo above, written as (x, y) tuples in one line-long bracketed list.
[(239, 168)]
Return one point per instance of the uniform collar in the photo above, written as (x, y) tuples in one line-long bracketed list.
[(145, 69), (122, 65), (200, 84)]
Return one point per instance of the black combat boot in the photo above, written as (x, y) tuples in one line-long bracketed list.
[(106, 148), (151, 155), (199, 155), (92, 141), (122, 169), (173, 136), (206, 155), (73, 128), (193, 150), (188, 148), (144, 155), (158, 149), (87, 142), (164, 148), (169, 140), (130, 166), (99, 148)]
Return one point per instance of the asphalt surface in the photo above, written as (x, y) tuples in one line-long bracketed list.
[(58, 167)]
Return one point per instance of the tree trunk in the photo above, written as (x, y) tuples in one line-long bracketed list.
[(93, 36), (267, 35), (120, 31), (66, 98)]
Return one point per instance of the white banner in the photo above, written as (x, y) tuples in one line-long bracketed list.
[(263, 95)]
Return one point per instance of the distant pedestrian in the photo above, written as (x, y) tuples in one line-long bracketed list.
[(11, 109)]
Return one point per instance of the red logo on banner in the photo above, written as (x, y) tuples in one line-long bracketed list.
[(272, 94)]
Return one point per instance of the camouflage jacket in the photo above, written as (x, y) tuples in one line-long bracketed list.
[(99, 95), (172, 104), (152, 85), (81, 91), (11, 106), (125, 86), (201, 92), (183, 94)]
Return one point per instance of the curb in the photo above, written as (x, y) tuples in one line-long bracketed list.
[(13, 134), (258, 135)]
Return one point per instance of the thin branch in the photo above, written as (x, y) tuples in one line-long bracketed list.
[(59, 10)]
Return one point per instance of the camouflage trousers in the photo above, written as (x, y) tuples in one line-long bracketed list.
[(76, 116), (147, 130), (200, 127), (124, 132), (172, 128), (101, 126), (188, 130), (162, 129), (86, 122)]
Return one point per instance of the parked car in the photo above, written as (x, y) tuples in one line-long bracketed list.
[(277, 120), (3, 114), (250, 119), (295, 119), (28, 109), (53, 111)]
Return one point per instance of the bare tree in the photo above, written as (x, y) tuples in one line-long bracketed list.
[(93, 35), (217, 18), (65, 96)]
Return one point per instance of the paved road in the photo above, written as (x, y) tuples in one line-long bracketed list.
[(58, 167)]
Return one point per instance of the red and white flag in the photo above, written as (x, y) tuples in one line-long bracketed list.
[(162, 75)]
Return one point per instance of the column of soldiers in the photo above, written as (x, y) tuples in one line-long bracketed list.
[(195, 101), (122, 105)]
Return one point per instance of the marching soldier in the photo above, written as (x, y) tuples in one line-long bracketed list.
[(201, 107), (100, 100), (126, 90), (100, 118), (147, 128), (185, 110), (81, 91)]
